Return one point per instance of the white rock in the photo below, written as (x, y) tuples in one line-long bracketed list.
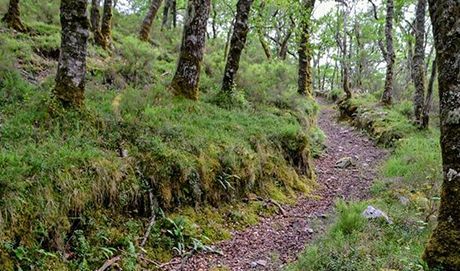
[(372, 213)]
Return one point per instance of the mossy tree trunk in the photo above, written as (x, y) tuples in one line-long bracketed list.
[(387, 96), (443, 250), (12, 17), (95, 19), (429, 96), (187, 76), (148, 20), (238, 41), (419, 62), (305, 80), (106, 25), (70, 78)]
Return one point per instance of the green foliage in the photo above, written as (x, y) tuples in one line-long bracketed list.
[(75, 185)]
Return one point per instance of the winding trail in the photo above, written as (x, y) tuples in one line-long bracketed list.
[(277, 240)]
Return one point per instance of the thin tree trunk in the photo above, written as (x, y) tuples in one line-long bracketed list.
[(240, 32), (346, 76), (70, 78), (263, 43), (214, 21), (429, 96), (187, 77), (419, 62), (148, 20), (166, 10), (305, 80), (387, 97), (442, 252), (106, 26), (12, 17), (228, 40), (174, 13)]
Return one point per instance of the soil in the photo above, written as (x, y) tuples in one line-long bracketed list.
[(278, 240)]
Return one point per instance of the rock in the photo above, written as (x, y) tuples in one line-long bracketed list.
[(309, 230), (373, 213), (262, 263), (344, 162), (404, 201)]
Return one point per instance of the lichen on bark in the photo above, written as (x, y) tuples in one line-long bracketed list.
[(443, 250), (12, 18), (148, 20), (106, 25), (305, 80), (70, 78), (387, 96), (238, 41), (187, 76)]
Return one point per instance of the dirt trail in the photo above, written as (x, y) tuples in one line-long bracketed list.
[(277, 240)]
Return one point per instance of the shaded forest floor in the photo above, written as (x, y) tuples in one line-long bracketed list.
[(276, 241)]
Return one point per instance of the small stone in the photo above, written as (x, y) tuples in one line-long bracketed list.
[(262, 263), (344, 163), (404, 201), (259, 263), (373, 213), (309, 230)]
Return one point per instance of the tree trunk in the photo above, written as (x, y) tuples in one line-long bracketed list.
[(345, 68), (442, 252), (305, 80), (148, 20), (284, 45), (387, 97), (95, 18), (106, 26), (239, 36), (12, 17), (429, 96), (70, 78), (174, 13), (263, 43), (228, 39), (419, 62), (187, 77), (214, 21), (168, 9)]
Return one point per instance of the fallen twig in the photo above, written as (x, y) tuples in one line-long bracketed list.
[(109, 263)]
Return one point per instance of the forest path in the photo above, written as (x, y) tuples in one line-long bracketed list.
[(278, 240)]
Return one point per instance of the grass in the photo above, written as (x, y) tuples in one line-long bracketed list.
[(407, 190), (75, 185)]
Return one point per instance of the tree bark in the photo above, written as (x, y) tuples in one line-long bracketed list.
[(305, 80), (70, 78), (387, 97), (238, 41), (12, 17), (148, 20), (169, 9), (187, 77), (95, 18), (419, 62), (443, 251), (106, 26), (429, 96)]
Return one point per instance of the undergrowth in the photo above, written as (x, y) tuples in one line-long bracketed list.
[(77, 188)]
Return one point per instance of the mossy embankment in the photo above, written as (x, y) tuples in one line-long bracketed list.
[(77, 188), (383, 124)]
